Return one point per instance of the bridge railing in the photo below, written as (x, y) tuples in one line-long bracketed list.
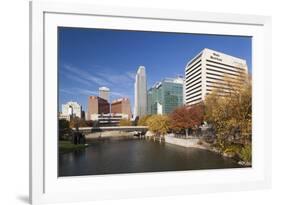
[(113, 128)]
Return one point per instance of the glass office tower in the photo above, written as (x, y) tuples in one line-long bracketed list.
[(165, 96)]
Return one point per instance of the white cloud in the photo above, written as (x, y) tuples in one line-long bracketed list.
[(101, 78), (112, 78), (77, 79), (85, 75), (131, 75), (66, 91), (117, 94), (85, 91), (115, 82)]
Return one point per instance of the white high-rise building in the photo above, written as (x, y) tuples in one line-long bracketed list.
[(140, 108), (104, 93), (71, 109), (206, 72)]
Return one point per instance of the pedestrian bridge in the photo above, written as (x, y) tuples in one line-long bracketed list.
[(94, 133), (87, 130)]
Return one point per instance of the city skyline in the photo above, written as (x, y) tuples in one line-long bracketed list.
[(110, 58)]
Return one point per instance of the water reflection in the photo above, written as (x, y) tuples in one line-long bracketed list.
[(132, 156)]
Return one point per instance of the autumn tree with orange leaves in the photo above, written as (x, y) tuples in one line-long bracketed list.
[(186, 117)]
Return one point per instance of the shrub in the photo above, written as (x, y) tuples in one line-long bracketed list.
[(246, 153), (124, 122), (233, 148)]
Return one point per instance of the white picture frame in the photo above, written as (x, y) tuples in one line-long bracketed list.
[(46, 187)]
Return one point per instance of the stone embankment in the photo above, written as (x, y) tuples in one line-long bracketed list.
[(197, 143), (190, 142)]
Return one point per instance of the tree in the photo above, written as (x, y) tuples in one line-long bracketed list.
[(77, 122), (125, 122), (186, 117), (63, 129), (89, 123), (229, 110), (159, 124), (143, 120), (63, 124)]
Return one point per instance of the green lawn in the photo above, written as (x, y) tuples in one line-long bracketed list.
[(66, 146)]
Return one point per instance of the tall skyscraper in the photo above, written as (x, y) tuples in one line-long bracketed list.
[(165, 96), (104, 93), (206, 72), (140, 108)]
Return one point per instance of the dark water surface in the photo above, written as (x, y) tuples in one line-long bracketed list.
[(132, 156)]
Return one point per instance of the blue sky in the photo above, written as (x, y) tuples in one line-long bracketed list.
[(92, 58)]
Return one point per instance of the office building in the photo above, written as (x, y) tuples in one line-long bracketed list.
[(97, 105), (121, 106), (71, 109), (140, 108), (104, 93), (207, 71), (107, 120), (165, 96)]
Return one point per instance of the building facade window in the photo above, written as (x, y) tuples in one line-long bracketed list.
[(207, 71)]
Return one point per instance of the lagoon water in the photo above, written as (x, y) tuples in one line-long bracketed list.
[(135, 155)]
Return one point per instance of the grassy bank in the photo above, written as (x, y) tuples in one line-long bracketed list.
[(66, 146)]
